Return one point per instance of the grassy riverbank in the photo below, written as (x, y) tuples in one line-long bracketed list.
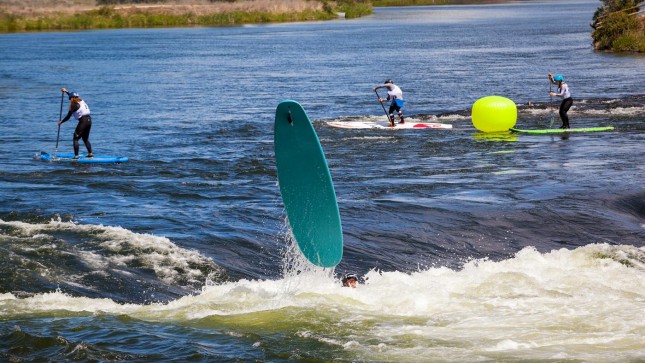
[(379, 3), (85, 15), (56, 15)]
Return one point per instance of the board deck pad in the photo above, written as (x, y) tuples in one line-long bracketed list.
[(561, 131), (83, 159), (386, 125), (306, 186)]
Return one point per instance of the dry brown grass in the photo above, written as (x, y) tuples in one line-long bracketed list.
[(268, 6), (39, 8), (35, 8)]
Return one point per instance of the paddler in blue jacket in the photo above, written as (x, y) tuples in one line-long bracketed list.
[(395, 96), (81, 111), (567, 101)]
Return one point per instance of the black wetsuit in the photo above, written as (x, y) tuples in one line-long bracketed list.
[(82, 129), (564, 108)]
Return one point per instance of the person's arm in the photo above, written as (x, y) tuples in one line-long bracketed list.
[(380, 86), (551, 78), (64, 90), (75, 106), (554, 82), (562, 89)]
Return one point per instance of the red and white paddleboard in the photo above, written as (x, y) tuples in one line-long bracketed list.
[(386, 125)]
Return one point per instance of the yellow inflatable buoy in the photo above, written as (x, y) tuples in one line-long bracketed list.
[(494, 114)]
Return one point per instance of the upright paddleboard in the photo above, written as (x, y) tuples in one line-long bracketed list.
[(561, 131), (386, 125), (306, 186), (82, 159)]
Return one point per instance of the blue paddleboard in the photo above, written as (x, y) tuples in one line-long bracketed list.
[(306, 186), (82, 159)]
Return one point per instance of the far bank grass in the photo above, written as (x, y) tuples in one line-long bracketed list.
[(177, 16), (69, 15), (107, 17), (382, 3)]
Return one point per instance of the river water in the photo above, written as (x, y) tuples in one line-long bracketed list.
[(470, 246)]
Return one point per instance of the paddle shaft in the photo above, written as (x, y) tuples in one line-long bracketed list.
[(386, 114), (60, 117), (550, 95), (552, 113)]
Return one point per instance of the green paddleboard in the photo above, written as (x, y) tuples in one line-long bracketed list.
[(306, 186), (561, 131)]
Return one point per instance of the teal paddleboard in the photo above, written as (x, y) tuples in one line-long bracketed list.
[(82, 159), (560, 131), (306, 186)]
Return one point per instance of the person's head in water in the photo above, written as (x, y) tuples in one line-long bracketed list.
[(350, 280)]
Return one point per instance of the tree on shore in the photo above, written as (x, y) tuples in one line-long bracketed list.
[(619, 26)]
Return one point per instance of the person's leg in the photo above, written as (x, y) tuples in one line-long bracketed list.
[(86, 141), (77, 136), (76, 145), (564, 108), (86, 137), (399, 104), (83, 131), (391, 112)]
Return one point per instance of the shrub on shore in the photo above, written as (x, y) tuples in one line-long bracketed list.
[(617, 27)]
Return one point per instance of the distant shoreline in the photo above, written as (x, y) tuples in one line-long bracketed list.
[(84, 16), (48, 15), (17, 16)]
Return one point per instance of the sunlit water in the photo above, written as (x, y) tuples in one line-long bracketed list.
[(470, 246)]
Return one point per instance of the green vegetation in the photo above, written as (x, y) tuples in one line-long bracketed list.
[(107, 17), (617, 26), (353, 9), (111, 17), (379, 3)]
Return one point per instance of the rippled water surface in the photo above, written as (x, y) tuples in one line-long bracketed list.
[(470, 246)]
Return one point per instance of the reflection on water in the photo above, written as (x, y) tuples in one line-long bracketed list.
[(505, 136)]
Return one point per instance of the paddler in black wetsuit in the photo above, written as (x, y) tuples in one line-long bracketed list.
[(81, 111), (565, 93)]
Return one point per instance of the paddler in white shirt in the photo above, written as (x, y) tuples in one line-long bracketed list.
[(395, 96), (81, 111)]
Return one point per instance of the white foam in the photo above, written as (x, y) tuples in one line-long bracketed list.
[(118, 246), (453, 117), (572, 304)]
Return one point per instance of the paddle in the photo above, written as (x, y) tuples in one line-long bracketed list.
[(60, 117), (552, 112), (386, 114)]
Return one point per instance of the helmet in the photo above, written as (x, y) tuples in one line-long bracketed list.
[(388, 81), (73, 95), (350, 276), (558, 77)]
